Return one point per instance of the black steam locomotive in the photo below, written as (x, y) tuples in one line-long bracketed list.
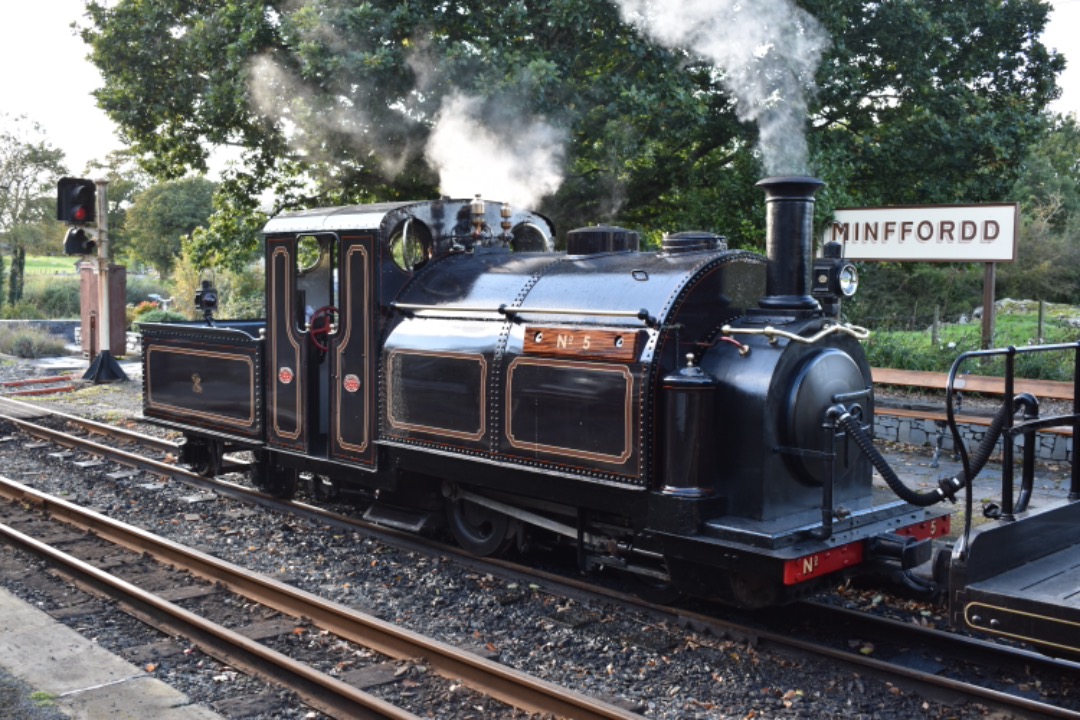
[(696, 416)]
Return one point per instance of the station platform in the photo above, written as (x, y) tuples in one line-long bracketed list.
[(49, 671)]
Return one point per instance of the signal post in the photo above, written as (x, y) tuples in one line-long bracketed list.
[(79, 203)]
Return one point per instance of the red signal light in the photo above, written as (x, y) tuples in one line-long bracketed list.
[(76, 200)]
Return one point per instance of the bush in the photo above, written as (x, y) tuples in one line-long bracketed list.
[(30, 344), (915, 350), (140, 288), (23, 310), (60, 300), (240, 292), (156, 316)]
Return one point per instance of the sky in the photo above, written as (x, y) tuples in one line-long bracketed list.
[(47, 77)]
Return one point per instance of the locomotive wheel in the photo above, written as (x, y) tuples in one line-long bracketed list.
[(275, 479), (477, 529), (656, 591), (203, 456)]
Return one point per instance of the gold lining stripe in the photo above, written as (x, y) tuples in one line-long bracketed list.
[(589, 367), (366, 377), (430, 429), (290, 322), (1020, 613)]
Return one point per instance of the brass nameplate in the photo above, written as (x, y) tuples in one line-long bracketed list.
[(618, 345)]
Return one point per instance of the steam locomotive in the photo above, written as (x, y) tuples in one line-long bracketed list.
[(696, 416)]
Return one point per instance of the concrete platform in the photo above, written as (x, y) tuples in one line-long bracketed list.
[(64, 671)]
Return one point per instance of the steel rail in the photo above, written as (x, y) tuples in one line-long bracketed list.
[(485, 676), (317, 689), (92, 425)]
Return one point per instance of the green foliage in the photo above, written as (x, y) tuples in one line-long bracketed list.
[(140, 288), (905, 295), (28, 343), (156, 316), (916, 350), (29, 167), (22, 310), (58, 298), (163, 214), (1047, 266), (333, 102), (242, 294), (241, 291), (136, 312), (930, 102)]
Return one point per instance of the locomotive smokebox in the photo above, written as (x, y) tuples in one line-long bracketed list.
[(789, 226)]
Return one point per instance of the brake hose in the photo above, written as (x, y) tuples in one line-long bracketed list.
[(947, 487)]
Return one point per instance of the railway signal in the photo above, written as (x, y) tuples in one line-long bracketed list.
[(78, 242), (76, 201)]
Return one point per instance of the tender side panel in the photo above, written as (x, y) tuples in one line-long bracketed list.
[(215, 385), (353, 396)]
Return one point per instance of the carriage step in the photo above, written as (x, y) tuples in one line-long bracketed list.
[(397, 518)]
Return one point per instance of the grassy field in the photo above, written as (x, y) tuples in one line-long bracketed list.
[(59, 265)]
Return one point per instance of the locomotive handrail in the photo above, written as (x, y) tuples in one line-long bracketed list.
[(641, 314), (857, 332), (1008, 430)]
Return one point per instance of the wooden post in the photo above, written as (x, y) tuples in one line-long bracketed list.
[(988, 318), (935, 330), (1042, 323)]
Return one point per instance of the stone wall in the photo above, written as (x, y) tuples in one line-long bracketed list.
[(911, 431)]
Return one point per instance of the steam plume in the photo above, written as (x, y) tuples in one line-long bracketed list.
[(766, 51), (499, 155)]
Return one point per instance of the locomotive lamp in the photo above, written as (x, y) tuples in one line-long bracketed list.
[(206, 299), (834, 278)]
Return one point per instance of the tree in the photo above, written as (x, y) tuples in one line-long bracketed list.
[(126, 180), (29, 168), (1047, 265), (337, 101), (931, 102), (162, 215)]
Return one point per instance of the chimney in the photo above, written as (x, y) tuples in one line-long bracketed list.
[(789, 242)]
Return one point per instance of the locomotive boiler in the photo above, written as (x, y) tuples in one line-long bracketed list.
[(696, 416)]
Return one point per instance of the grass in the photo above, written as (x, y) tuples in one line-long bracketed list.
[(1016, 325), (43, 699), (51, 265)]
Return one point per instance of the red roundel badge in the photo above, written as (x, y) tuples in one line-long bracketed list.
[(285, 375), (351, 383)]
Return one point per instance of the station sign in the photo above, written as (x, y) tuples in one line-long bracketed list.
[(928, 233)]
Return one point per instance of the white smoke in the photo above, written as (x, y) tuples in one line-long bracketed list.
[(498, 156), (766, 51)]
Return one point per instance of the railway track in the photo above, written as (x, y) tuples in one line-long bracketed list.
[(319, 690), (50, 385), (948, 668)]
